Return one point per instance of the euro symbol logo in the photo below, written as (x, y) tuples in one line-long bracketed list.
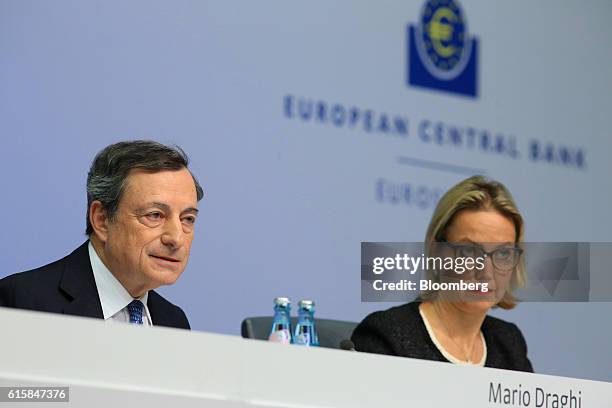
[(440, 31)]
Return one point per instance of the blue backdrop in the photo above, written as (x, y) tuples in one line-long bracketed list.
[(308, 135)]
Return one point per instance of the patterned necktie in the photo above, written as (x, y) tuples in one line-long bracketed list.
[(135, 309)]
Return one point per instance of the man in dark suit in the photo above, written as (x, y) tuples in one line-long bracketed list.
[(142, 207)]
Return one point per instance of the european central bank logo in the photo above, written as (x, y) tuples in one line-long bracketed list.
[(441, 54)]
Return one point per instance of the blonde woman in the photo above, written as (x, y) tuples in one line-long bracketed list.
[(478, 218)]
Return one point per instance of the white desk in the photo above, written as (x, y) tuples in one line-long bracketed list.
[(118, 365)]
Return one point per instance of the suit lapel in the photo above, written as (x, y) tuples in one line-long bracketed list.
[(79, 288), (156, 309), (79, 285)]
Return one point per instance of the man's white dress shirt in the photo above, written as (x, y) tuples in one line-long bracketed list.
[(113, 296)]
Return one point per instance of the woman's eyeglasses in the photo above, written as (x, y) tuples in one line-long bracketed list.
[(504, 258)]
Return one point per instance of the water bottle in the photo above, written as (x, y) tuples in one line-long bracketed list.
[(305, 330), (281, 326)]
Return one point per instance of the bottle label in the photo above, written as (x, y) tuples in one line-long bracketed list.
[(303, 338), (280, 336)]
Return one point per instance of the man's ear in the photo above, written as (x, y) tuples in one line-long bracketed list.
[(99, 220)]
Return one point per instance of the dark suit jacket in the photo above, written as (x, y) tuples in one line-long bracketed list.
[(68, 286), (400, 331)]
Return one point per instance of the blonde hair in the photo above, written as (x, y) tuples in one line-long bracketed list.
[(478, 193)]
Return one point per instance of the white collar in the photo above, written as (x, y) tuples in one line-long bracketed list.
[(445, 353), (113, 296)]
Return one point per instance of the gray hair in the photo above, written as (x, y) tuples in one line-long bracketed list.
[(107, 177)]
